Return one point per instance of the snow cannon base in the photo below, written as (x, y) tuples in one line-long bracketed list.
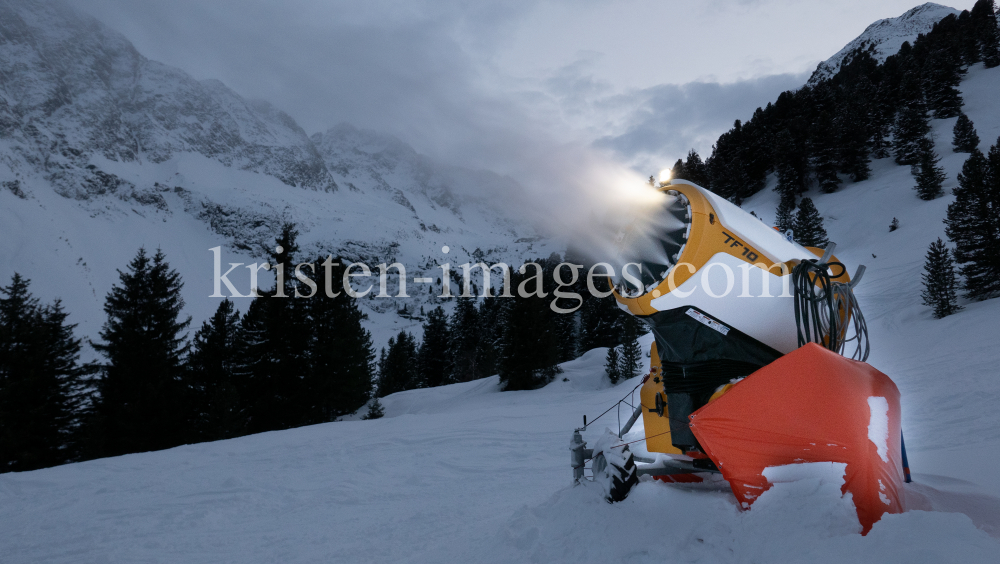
[(811, 405)]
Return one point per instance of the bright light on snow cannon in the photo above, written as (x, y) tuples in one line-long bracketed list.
[(665, 176)]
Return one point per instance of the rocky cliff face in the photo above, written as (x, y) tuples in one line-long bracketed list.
[(73, 88)]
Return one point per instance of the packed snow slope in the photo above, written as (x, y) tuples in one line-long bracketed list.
[(466, 473)]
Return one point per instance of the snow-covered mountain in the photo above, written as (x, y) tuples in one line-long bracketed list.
[(884, 37), (103, 150)]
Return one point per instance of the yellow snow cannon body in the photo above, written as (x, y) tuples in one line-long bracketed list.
[(726, 297)]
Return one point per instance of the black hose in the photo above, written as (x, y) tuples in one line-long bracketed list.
[(818, 300)]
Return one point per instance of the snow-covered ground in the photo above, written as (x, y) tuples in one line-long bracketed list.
[(461, 473)]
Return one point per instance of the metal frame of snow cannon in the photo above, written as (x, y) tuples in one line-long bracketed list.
[(580, 455)]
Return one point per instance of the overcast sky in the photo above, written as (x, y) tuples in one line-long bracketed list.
[(493, 84)]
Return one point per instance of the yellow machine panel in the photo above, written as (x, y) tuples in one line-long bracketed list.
[(657, 428)]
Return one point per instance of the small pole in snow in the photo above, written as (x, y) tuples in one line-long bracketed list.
[(906, 463)]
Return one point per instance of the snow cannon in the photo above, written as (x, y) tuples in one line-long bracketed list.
[(757, 362)]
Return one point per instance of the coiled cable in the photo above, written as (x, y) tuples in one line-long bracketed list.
[(819, 302)]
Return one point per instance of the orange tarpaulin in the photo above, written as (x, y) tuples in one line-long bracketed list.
[(811, 405)]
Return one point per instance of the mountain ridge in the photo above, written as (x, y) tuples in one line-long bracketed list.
[(884, 37)]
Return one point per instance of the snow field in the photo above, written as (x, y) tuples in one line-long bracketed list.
[(461, 473)]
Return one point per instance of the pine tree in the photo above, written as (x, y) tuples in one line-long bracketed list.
[(599, 319), (696, 170), (434, 356), (737, 168), (375, 410), (275, 338), (566, 324), (930, 176), (894, 225), (398, 372), (529, 344), (612, 365), (809, 230), (465, 342), (567, 331), (630, 360), (939, 281), (912, 123), (941, 74), (338, 380), (678, 170), (214, 397), (973, 226), (881, 121), (987, 34), (139, 407), (784, 218), (968, 46), (789, 164), (822, 138), (853, 130), (489, 331), (41, 386), (966, 139), (251, 372)]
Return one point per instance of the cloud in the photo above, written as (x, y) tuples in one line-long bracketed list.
[(429, 72), (412, 69), (668, 120)]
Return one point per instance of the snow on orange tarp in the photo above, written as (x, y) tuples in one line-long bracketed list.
[(811, 405)]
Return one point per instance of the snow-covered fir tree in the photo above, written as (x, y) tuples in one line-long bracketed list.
[(972, 224), (630, 360), (930, 175), (987, 35), (398, 369), (140, 403), (375, 410), (939, 281), (41, 382), (824, 152), (941, 73), (215, 402), (612, 365), (785, 215), (434, 355), (912, 123), (809, 230), (965, 140)]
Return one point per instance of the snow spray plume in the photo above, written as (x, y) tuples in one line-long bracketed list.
[(583, 197)]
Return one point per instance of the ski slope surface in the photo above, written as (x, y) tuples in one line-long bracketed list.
[(461, 473)]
